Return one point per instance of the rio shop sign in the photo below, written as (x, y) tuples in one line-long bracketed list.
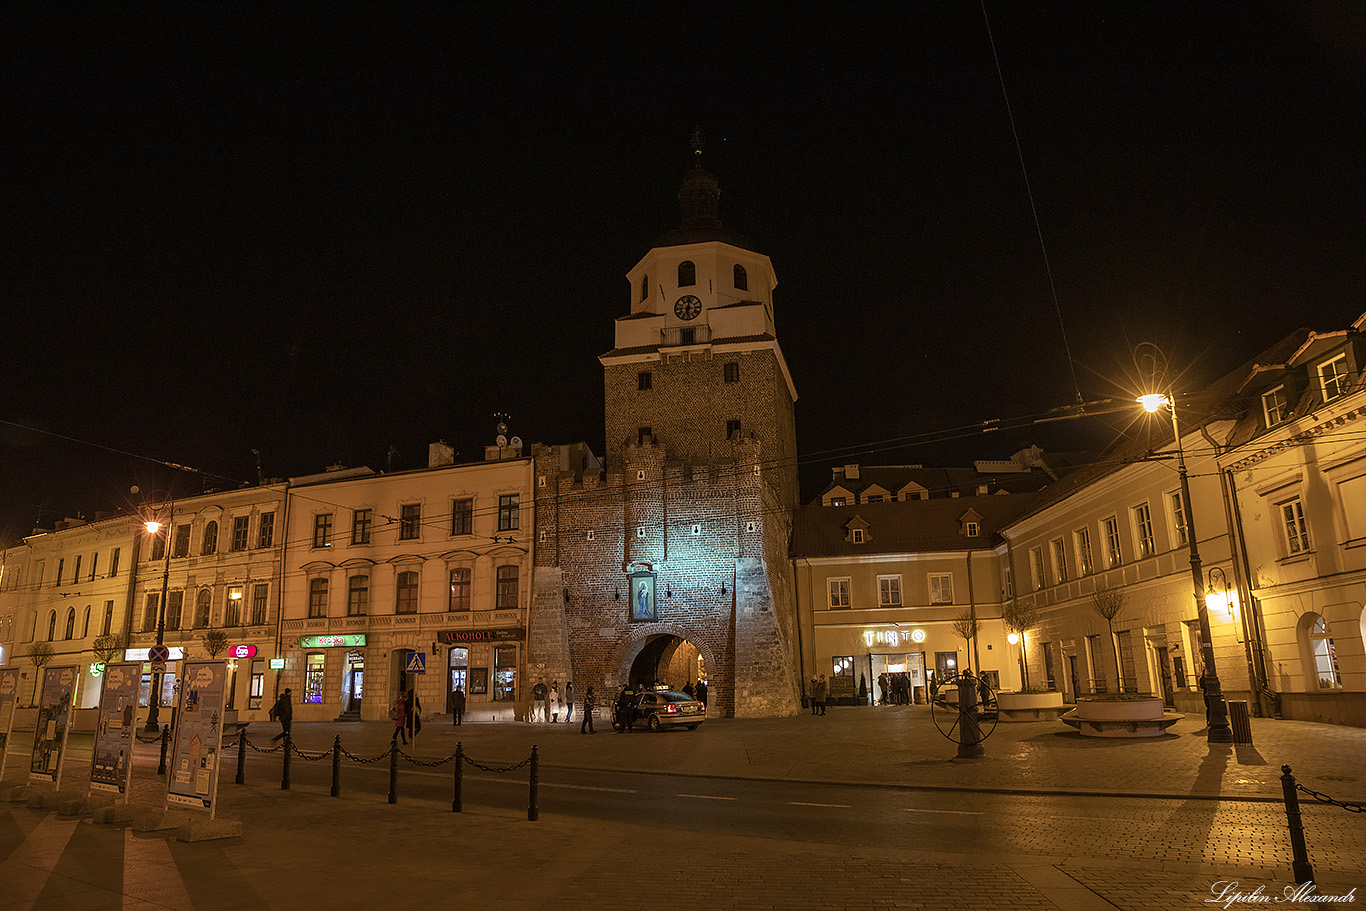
[(450, 636), (351, 640)]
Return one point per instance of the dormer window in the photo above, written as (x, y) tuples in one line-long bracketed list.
[(1333, 377), (687, 274), (1275, 406), (856, 535), (741, 279), (972, 529), (856, 531)]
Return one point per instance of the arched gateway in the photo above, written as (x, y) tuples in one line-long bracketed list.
[(663, 655)]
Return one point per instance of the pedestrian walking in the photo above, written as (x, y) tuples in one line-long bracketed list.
[(626, 709), (538, 695), (568, 701), (283, 712), (701, 694), (586, 726), (553, 702), (811, 695), (688, 690), (401, 718), (822, 691), (412, 710), (457, 705)]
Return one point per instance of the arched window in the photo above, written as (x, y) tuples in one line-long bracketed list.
[(210, 538), (85, 626), (741, 279), (70, 623), (51, 625), (1321, 653), (644, 287), (407, 594), (687, 274), (202, 606)]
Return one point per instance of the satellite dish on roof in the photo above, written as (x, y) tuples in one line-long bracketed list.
[(516, 442), (502, 440), (502, 427)]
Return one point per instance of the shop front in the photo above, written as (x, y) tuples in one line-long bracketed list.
[(485, 664), (892, 663)]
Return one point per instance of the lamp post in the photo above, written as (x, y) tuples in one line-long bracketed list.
[(1217, 729), (154, 695)]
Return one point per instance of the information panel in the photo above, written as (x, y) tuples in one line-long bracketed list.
[(54, 721), (111, 760), (193, 778), (9, 698)]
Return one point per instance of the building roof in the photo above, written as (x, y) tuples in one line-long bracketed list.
[(910, 526)]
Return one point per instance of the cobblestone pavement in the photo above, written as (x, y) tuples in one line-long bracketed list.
[(302, 849)]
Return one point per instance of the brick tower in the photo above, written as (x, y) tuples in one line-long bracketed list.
[(672, 562)]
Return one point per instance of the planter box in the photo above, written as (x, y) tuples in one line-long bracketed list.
[(1029, 706), (1121, 717)]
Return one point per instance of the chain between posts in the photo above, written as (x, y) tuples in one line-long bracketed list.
[(1324, 798)]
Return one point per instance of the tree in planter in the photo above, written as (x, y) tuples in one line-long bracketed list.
[(108, 648), (1021, 617), (215, 641), (966, 626), (40, 653), (1108, 602)]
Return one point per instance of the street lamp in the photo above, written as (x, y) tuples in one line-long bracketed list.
[(1217, 730), (154, 696)]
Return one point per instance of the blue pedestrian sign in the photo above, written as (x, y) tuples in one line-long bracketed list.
[(417, 663), (159, 654)]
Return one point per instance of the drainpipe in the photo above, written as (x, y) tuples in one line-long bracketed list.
[(281, 550), (801, 650), (972, 611)]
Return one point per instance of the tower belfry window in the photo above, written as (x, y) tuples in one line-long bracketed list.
[(687, 273), (644, 287), (741, 279)]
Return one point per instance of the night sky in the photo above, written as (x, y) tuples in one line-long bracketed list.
[(335, 235)]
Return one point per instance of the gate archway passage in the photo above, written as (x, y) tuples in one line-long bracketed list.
[(665, 655)]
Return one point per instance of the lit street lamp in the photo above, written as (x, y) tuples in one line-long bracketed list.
[(154, 695), (1218, 730)]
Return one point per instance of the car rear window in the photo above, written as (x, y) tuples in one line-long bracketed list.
[(675, 697)]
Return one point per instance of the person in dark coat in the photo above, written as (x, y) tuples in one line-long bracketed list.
[(401, 718), (586, 725), (822, 693), (701, 693), (283, 712), (626, 709), (688, 690), (457, 705), (568, 701), (412, 709)]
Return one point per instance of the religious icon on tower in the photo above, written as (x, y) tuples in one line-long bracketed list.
[(642, 596)]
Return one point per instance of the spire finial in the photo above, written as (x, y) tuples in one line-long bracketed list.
[(697, 145)]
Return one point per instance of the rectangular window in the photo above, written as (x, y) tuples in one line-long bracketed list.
[(61, 567), (839, 593), (1007, 580), (505, 597), (1113, 555), (842, 668), (1333, 377), (460, 589), (1352, 495), (1037, 570), (158, 546), (260, 595), (265, 536), (232, 609), (322, 529), (1094, 654), (462, 517), (732, 428), (361, 522), (889, 591), (108, 618), (240, 526), (317, 597), (202, 605), (1296, 534), (1128, 681), (1275, 406), (1143, 530), (257, 686), (479, 681), (410, 522), (644, 381), (182, 541), (406, 602), (941, 588), (1081, 542), (76, 571), (509, 512), (94, 565), (149, 612), (315, 666), (114, 563), (731, 373), (1059, 559), (358, 596), (504, 673), (175, 605), (1178, 508)]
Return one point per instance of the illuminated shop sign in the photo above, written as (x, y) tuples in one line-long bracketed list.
[(483, 635), (350, 640), (276, 663), (244, 651), (140, 654), (892, 636)]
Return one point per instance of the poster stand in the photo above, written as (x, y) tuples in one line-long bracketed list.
[(197, 749), (53, 725)]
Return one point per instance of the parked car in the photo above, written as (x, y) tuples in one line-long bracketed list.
[(657, 709)]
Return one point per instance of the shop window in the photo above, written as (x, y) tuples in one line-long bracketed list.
[(479, 681), (504, 673), (257, 684), (315, 664)]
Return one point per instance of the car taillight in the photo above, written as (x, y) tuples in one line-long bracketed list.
[(671, 709), (701, 706)]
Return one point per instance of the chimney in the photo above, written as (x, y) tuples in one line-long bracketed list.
[(439, 454)]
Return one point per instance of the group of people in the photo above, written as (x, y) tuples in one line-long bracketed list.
[(408, 716), (896, 688), (817, 692), (547, 702), (628, 697)]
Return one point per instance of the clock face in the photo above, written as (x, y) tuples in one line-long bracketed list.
[(687, 307)]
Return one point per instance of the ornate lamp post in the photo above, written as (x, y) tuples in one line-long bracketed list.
[(154, 695), (1218, 730)]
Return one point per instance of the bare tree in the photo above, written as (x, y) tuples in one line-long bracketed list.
[(965, 625), (1108, 602), (215, 641), (1021, 617), (40, 653), (108, 647)]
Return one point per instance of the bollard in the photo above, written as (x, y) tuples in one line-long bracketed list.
[(284, 779), (393, 769), (165, 742), (457, 803), (1299, 866), (336, 766), (242, 756), (531, 812)]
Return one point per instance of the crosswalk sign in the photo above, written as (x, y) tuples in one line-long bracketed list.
[(417, 663)]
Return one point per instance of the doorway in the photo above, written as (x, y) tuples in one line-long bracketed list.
[(1072, 676), (1164, 675), (354, 681)]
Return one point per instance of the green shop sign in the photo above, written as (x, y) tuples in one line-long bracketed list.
[(353, 640)]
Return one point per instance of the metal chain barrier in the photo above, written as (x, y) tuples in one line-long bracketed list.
[(354, 758), (485, 768), (305, 757), (1324, 798), (153, 739)]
